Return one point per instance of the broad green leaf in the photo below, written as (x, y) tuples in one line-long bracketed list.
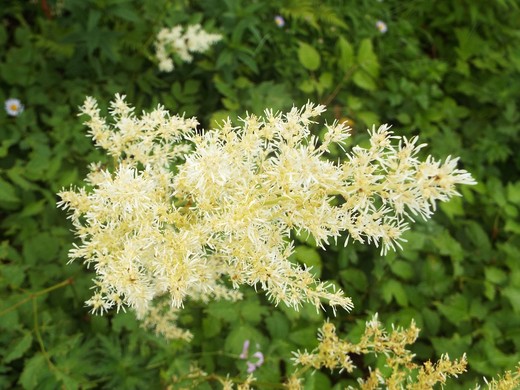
[(7, 192), (394, 289), (251, 310), (455, 347), (513, 294), (431, 320), (346, 54), (310, 257), (355, 278), (363, 80), (211, 326), (402, 269), (495, 275), (453, 208), (455, 309), (309, 56), (304, 338), (222, 310), (277, 325), (235, 340), (513, 193), (369, 118), (315, 380), (367, 59)]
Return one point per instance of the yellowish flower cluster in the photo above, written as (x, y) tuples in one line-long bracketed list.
[(176, 41), (159, 227), (333, 352), (508, 381)]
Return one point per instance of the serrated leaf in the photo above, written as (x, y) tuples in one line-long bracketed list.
[(455, 309), (309, 56), (7, 192), (19, 348), (431, 320), (394, 289), (252, 311), (126, 13), (35, 369), (222, 310)]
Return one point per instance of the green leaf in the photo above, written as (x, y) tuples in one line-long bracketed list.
[(20, 347), (310, 257), (354, 277), (222, 310), (369, 118), (346, 54), (236, 338), (309, 56), (252, 311), (7, 192), (305, 338), (394, 289), (277, 325), (211, 326), (363, 80), (35, 369), (513, 294), (495, 275), (402, 269), (513, 192), (316, 380), (431, 320), (126, 13), (455, 309), (367, 59)]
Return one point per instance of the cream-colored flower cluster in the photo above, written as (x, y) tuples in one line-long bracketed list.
[(157, 226), (333, 352), (176, 41)]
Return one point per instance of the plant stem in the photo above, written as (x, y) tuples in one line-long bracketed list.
[(37, 294)]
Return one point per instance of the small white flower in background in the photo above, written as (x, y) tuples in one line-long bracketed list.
[(173, 41), (14, 107), (280, 22), (381, 26)]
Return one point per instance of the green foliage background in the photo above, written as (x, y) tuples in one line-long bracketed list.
[(448, 71)]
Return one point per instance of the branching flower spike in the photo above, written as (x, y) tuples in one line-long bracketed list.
[(195, 215)]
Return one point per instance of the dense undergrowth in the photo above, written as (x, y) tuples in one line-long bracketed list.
[(446, 71)]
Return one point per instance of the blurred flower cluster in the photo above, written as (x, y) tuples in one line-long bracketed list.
[(194, 215), (334, 353), (177, 42)]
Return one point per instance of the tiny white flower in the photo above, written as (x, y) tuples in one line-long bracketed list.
[(14, 107), (279, 21), (381, 26)]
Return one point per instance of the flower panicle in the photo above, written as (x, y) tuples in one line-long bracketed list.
[(186, 214)]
